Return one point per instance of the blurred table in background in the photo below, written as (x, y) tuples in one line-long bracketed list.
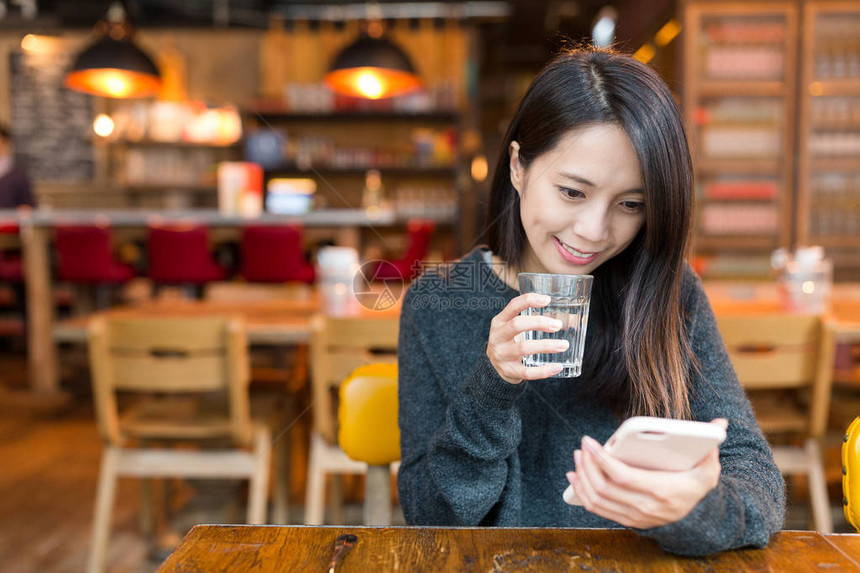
[(843, 311), (263, 549), (36, 228), (267, 322)]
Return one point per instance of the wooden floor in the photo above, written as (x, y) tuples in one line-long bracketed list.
[(50, 459), (47, 488), (48, 479)]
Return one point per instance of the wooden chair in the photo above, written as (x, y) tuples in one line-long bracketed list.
[(279, 375), (193, 373), (368, 432), (338, 346), (785, 362)]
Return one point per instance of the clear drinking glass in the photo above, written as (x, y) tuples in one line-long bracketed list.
[(571, 297)]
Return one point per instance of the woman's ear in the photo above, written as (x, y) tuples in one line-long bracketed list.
[(516, 168)]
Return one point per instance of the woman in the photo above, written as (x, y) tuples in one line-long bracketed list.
[(594, 178)]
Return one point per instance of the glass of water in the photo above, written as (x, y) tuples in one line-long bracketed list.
[(571, 296)]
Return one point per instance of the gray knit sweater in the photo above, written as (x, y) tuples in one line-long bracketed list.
[(477, 450)]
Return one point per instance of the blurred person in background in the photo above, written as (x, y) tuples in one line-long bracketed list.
[(15, 188)]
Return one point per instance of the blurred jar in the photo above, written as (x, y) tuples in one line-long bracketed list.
[(805, 279), (336, 269)]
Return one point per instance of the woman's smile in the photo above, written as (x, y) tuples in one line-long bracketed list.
[(573, 256)]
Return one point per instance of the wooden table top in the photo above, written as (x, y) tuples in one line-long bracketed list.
[(753, 298), (266, 322), (215, 548)]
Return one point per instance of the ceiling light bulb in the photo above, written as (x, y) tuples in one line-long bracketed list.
[(370, 85), (103, 125)]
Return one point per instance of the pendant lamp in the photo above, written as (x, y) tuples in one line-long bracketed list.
[(372, 67), (113, 66)]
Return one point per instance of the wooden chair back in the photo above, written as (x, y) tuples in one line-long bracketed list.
[(782, 351), (202, 356), (339, 346)]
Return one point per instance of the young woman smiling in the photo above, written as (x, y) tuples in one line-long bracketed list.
[(594, 178)]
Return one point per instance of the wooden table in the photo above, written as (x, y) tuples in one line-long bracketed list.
[(215, 548), (281, 322), (36, 227)]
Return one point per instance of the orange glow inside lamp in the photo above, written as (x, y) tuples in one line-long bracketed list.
[(113, 66), (372, 68)]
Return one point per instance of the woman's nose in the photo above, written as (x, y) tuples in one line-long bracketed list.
[(593, 225)]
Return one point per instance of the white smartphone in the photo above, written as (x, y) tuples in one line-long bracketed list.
[(659, 444)]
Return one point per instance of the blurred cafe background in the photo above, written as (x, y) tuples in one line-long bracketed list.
[(235, 182)]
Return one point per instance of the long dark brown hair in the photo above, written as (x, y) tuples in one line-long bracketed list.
[(638, 355)]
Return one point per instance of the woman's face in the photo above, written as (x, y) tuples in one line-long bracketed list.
[(581, 203)]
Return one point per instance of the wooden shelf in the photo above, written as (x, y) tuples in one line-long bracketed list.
[(739, 166), (836, 241), (166, 187), (835, 87), (394, 171), (735, 242), (716, 88), (172, 144), (851, 164), (284, 115), (751, 201)]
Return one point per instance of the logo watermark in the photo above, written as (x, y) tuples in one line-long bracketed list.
[(462, 285), (378, 285)]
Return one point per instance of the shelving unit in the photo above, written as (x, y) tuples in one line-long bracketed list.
[(164, 154), (829, 150), (153, 173), (416, 154), (739, 101)]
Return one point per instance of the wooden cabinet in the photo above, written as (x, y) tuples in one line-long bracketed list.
[(772, 101), (740, 62), (828, 182)]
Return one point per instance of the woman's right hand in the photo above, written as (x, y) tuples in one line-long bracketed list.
[(506, 345)]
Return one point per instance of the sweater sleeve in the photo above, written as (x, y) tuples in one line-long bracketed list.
[(748, 504), (458, 438)]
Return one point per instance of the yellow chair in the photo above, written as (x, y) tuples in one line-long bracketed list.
[(785, 363), (339, 346), (851, 474), (191, 374), (368, 432)]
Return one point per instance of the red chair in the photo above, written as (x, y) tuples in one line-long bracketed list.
[(85, 256), (10, 268), (180, 256), (420, 235), (10, 262), (274, 255)]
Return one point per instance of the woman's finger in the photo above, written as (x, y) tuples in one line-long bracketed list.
[(524, 323), (626, 477), (539, 372), (520, 303), (607, 496)]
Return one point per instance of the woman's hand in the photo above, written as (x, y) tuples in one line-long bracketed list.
[(506, 345), (640, 498)]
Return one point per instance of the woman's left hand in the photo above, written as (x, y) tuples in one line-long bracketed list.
[(636, 497)]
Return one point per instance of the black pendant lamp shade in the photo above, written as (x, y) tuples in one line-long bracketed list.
[(113, 66), (372, 67)]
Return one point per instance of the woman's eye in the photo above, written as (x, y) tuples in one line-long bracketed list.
[(571, 193), (633, 205)]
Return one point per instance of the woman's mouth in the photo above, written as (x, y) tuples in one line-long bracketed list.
[(573, 256)]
